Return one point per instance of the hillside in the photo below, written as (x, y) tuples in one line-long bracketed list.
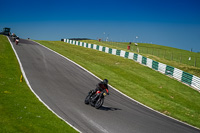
[(177, 58)]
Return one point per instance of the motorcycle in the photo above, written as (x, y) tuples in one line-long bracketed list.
[(16, 41), (98, 101)]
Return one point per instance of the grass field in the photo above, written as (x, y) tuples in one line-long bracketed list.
[(171, 56), (143, 84), (20, 110)]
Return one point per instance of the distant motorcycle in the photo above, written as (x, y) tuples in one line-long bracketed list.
[(98, 101), (17, 40)]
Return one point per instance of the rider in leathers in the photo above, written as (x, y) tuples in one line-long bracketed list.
[(102, 87)]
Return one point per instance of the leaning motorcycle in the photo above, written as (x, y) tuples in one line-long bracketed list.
[(98, 101)]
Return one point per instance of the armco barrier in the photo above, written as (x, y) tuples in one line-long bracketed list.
[(178, 74)]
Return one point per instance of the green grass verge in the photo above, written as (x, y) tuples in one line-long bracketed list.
[(177, 58), (20, 110), (137, 81)]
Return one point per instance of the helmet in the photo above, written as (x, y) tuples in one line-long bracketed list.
[(105, 81)]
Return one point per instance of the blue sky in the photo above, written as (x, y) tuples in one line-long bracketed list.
[(174, 23)]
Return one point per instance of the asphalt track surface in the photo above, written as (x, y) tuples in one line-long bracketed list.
[(63, 86)]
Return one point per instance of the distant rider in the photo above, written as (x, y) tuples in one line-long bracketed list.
[(16, 40)]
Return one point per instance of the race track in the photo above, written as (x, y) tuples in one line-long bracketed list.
[(63, 86)]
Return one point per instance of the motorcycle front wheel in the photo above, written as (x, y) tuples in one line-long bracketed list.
[(87, 99), (99, 103)]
